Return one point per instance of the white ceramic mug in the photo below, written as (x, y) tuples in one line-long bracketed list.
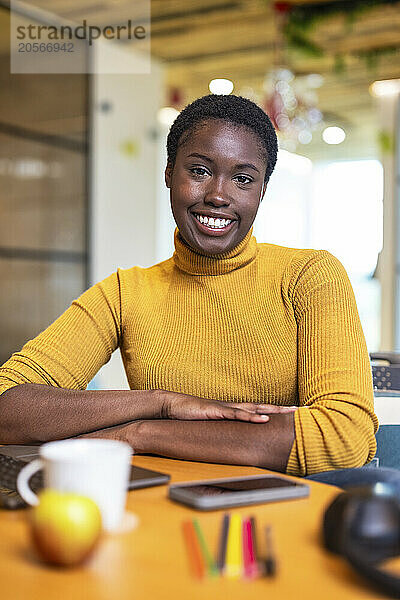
[(95, 468)]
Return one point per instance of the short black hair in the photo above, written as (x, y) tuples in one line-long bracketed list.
[(234, 109)]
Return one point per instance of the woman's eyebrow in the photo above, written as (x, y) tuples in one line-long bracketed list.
[(202, 156), (247, 166), (210, 160)]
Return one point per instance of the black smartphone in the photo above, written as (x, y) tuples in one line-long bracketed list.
[(237, 491), (140, 478)]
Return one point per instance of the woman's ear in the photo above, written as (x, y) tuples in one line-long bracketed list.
[(168, 174)]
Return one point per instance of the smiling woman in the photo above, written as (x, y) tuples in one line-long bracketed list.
[(223, 180), (220, 157), (235, 351)]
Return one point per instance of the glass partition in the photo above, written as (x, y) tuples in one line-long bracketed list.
[(43, 197)]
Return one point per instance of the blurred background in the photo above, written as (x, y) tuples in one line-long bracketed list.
[(82, 155)]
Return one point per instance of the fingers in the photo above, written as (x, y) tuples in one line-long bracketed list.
[(272, 408), (256, 418), (259, 414), (261, 408), (245, 415), (249, 406), (236, 411)]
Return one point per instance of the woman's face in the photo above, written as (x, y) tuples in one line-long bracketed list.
[(218, 178)]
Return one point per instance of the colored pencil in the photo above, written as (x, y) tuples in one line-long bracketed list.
[(193, 550), (253, 553), (223, 538), (269, 562), (233, 561), (209, 561), (250, 567), (246, 548), (254, 544)]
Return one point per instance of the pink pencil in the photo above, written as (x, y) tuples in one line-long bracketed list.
[(249, 563)]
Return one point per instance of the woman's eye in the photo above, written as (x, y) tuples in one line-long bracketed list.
[(198, 171), (243, 179)]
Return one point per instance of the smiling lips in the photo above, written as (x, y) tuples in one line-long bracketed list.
[(212, 222)]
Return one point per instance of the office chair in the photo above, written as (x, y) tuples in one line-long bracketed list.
[(386, 380), (385, 371)]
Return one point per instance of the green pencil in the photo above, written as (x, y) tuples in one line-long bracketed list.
[(211, 566)]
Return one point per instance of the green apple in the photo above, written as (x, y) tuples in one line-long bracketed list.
[(65, 527)]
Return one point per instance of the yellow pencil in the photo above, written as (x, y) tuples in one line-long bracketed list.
[(233, 560)]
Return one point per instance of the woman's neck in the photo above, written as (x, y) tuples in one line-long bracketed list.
[(195, 262)]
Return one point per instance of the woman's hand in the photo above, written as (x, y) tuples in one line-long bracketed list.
[(192, 408)]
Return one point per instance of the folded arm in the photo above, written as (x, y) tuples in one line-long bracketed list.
[(232, 442), (34, 413)]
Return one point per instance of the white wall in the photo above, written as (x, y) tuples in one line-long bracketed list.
[(124, 171)]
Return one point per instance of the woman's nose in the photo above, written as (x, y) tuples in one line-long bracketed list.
[(217, 193)]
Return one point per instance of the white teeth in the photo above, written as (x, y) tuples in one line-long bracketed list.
[(213, 224)]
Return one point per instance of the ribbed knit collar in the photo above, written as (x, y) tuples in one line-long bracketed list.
[(195, 263)]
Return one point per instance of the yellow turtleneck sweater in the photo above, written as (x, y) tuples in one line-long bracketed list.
[(261, 323)]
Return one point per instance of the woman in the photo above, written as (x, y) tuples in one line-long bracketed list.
[(235, 351)]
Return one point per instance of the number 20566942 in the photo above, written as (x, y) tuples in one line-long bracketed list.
[(45, 47)]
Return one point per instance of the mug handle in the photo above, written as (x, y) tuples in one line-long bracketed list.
[(23, 478)]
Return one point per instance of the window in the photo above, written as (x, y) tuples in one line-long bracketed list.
[(336, 206)]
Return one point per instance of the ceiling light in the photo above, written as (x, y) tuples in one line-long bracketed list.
[(304, 136), (333, 135), (385, 87), (285, 74), (167, 115), (220, 86)]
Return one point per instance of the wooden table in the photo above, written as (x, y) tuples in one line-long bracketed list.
[(150, 562)]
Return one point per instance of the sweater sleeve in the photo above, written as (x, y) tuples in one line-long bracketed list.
[(335, 424), (72, 349)]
